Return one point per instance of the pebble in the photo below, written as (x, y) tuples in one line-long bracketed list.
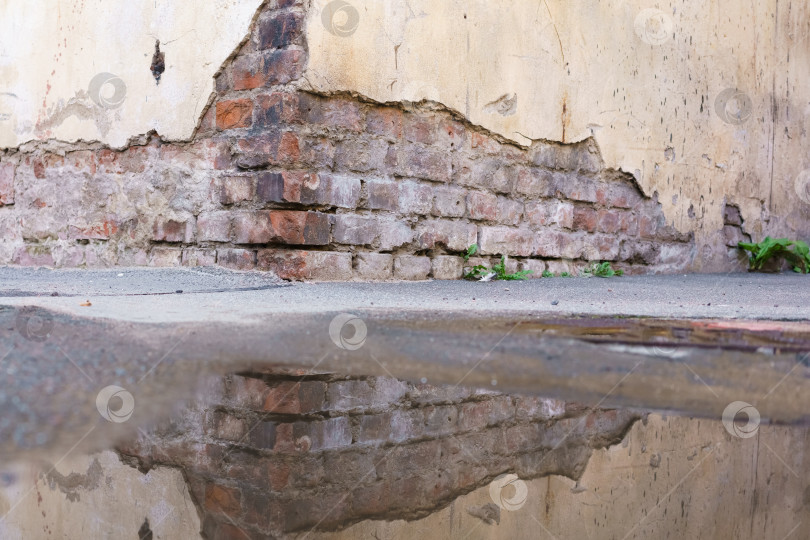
[(555, 302)]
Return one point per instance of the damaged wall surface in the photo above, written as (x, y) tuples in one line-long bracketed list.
[(275, 456), (325, 186), (682, 97)]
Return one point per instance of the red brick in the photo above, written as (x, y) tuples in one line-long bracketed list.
[(288, 148), (279, 30), (539, 182), (267, 68), (246, 392), (585, 219), (648, 226), (385, 122), (305, 228), (276, 109), (340, 113), (226, 427), (236, 113), (509, 211), (170, 230), (223, 500)]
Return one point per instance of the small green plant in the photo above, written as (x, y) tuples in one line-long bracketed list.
[(795, 251), (546, 273), (565, 274), (498, 272), (603, 270)]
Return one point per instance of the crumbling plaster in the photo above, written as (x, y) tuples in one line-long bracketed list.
[(651, 83)]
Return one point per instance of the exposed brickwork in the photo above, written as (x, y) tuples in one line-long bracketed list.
[(278, 454), (311, 186)]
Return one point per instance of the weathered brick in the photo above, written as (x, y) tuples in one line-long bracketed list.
[(601, 247), (301, 265), (447, 267), (337, 113), (509, 211), (422, 162), (392, 427), (173, 230), (622, 195), (98, 231), (639, 252), (238, 259), (501, 240), (361, 155), (279, 30), (440, 420), (449, 201), (545, 213), (415, 197), (411, 267), (276, 109), (267, 68), (164, 256), (214, 226), (223, 500), (482, 205), (245, 392), (355, 230), (648, 225), (585, 218), (303, 228), (731, 213), (323, 435), (453, 235), (224, 426), (733, 235), (6, 183), (385, 122), (236, 113), (451, 134), (419, 129), (252, 227), (373, 266), (382, 194), (535, 182), (537, 408), (233, 189), (489, 174)]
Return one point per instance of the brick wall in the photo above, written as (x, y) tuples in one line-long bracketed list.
[(278, 454), (325, 188)]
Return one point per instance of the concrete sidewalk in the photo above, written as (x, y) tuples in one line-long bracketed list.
[(683, 344)]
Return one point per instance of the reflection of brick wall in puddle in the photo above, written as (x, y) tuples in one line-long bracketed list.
[(325, 187), (279, 454)]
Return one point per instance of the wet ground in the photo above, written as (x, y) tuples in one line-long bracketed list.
[(686, 345)]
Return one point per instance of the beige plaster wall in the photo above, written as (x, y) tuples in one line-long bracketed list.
[(51, 51)]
